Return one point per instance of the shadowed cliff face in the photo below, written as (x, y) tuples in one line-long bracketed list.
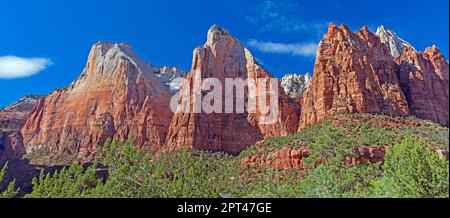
[(424, 80), (224, 57), (116, 96), (12, 118), (353, 73)]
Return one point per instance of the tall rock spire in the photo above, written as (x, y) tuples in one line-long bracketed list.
[(221, 57)]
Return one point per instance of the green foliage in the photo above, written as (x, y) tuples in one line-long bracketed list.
[(10, 190), (327, 181), (413, 171), (184, 173), (72, 182)]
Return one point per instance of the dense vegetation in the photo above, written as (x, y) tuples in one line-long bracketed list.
[(412, 167), (10, 190)]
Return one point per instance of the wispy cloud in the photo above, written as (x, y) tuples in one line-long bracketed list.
[(283, 17), (297, 49), (12, 67)]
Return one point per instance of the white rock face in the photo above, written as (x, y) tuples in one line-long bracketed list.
[(295, 84), (25, 103), (168, 76), (395, 44), (106, 55)]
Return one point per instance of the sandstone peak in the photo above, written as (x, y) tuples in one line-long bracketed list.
[(223, 57), (424, 78), (433, 50), (215, 33), (12, 118), (118, 95), (395, 44), (105, 54), (26, 103), (295, 84), (168, 75), (353, 73)]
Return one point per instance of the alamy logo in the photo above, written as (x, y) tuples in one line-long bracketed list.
[(229, 95)]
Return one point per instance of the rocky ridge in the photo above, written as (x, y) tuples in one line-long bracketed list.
[(295, 84), (395, 44), (12, 118)]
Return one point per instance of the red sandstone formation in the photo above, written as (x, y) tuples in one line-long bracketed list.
[(289, 157), (354, 72), (424, 80), (12, 118), (222, 57), (116, 96)]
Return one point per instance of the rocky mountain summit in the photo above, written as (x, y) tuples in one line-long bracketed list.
[(223, 56), (12, 118), (118, 95), (424, 80), (354, 72), (295, 84), (168, 75), (395, 44)]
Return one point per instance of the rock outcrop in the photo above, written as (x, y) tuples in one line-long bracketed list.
[(395, 44), (290, 157), (353, 73), (168, 76), (424, 78), (295, 84), (117, 96), (222, 57), (12, 118)]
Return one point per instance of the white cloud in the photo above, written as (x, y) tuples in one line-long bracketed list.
[(12, 67), (297, 49)]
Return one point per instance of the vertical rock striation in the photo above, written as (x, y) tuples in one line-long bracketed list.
[(424, 80), (353, 73), (223, 57), (117, 96)]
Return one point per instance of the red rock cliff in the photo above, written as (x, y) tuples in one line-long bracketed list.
[(12, 118), (222, 57), (116, 96), (353, 73), (424, 80)]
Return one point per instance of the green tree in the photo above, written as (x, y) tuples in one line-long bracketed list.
[(10, 190), (412, 170), (72, 182)]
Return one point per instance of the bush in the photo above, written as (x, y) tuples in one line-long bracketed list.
[(183, 173), (72, 182), (411, 170)]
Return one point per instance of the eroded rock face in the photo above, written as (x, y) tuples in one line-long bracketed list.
[(395, 44), (222, 57), (285, 158), (353, 73), (424, 78), (295, 84), (293, 158), (168, 75), (12, 118), (116, 96)]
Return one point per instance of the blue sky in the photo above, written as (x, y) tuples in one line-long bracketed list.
[(50, 39)]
